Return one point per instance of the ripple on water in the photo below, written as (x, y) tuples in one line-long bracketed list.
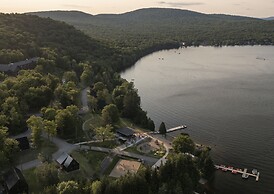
[(225, 96)]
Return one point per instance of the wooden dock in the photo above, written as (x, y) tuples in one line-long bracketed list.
[(245, 173), (176, 128)]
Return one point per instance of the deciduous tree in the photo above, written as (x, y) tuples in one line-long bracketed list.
[(104, 133), (37, 126), (183, 144), (69, 187), (110, 114)]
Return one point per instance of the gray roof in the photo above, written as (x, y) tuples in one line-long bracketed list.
[(14, 66), (68, 161), (65, 160), (62, 158), (125, 131), (12, 177)]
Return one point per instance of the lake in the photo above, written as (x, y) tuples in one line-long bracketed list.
[(226, 98)]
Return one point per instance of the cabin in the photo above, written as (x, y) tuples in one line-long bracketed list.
[(14, 182), (23, 143), (67, 163)]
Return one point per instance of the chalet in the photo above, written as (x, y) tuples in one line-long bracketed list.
[(14, 182), (67, 163), (23, 143)]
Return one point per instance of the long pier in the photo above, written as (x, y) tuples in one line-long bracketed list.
[(244, 172), (176, 128)]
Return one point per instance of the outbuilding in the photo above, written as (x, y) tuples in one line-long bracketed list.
[(14, 182), (68, 163)]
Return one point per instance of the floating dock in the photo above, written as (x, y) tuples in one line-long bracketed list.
[(245, 173), (176, 128)]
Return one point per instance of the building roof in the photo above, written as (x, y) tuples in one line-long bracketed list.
[(12, 177), (61, 160), (14, 66), (67, 161), (125, 131)]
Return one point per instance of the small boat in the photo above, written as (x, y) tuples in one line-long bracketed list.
[(234, 171), (224, 168), (238, 169), (244, 176), (255, 171)]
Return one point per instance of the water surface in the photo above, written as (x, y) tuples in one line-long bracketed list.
[(225, 96)]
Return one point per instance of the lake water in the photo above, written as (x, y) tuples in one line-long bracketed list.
[(226, 98)]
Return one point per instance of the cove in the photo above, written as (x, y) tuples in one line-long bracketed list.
[(226, 98)]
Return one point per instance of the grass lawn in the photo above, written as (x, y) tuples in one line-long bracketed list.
[(92, 122), (134, 149), (128, 123), (79, 136), (47, 148), (112, 165), (34, 185), (89, 161), (106, 144), (95, 120)]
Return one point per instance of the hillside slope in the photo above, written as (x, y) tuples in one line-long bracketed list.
[(145, 27), (29, 35)]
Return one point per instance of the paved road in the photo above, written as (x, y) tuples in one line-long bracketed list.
[(62, 145), (24, 134), (84, 100), (146, 159), (167, 146)]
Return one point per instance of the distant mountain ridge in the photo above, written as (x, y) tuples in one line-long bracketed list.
[(153, 26), (269, 18), (148, 13)]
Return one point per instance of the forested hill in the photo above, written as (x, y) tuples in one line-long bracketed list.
[(24, 36), (269, 18), (145, 27)]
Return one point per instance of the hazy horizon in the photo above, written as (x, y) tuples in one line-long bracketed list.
[(232, 7)]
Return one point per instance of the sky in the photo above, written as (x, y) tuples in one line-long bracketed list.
[(253, 8)]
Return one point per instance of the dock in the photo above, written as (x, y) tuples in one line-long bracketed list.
[(176, 128), (245, 174)]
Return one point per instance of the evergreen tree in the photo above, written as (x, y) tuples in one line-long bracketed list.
[(162, 129)]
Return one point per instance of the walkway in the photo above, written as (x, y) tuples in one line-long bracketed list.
[(84, 100)]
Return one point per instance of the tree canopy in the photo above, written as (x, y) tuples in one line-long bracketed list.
[(183, 144)]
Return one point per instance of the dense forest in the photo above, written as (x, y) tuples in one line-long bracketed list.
[(68, 61), (144, 28)]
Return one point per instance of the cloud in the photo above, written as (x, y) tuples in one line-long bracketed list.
[(180, 4)]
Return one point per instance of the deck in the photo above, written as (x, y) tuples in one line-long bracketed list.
[(176, 128)]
